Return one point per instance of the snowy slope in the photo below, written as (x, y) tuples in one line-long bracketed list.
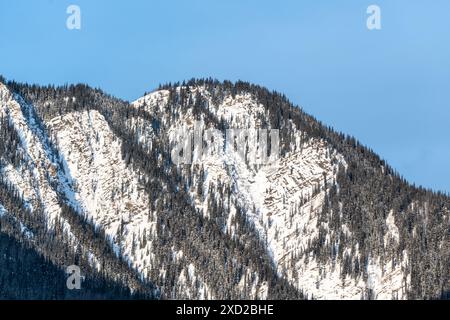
[(39, 179), (282, 199), (111, 193)]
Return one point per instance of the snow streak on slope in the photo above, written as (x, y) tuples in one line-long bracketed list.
[(2, 210), (39, 179), (33, 184)]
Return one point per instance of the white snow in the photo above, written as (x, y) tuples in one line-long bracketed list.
[(2, 210)]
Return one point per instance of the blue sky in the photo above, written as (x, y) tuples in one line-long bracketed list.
[(388, 87)]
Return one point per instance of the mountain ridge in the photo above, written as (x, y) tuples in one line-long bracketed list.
[(345, 213)]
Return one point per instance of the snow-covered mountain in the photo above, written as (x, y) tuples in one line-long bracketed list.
[(91, 180)]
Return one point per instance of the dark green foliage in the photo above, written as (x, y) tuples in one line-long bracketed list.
[(24, 274)]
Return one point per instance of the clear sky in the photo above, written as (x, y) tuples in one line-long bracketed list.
[(390, 88)]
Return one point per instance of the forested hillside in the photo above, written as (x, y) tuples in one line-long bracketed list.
[(89, 179)]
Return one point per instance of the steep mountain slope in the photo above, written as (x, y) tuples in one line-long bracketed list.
[(316, 215), (38, 200)]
